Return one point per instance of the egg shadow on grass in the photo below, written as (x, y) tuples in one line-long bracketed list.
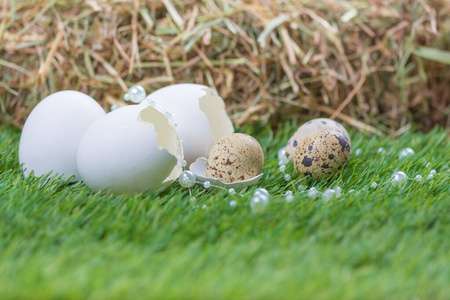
[(162, 194), (51, 181)]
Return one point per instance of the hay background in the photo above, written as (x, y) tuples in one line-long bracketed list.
[(360, 61)]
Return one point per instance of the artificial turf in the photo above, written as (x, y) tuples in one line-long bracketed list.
[(60, 240)]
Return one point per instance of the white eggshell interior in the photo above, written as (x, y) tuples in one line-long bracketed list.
[(214, 109), (199, 169), (199, 113), (167, 137), (52, 133), (130, 150)]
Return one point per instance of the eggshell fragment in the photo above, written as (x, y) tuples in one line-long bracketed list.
[(130, 150), (199, 114), (235, 157), (309, 128), (52, 133), (199, 169), (322, 153)]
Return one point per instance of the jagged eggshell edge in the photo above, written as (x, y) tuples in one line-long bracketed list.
[(199, 169), (167, 138)]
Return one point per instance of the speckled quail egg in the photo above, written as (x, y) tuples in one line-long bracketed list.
[(322, 153), (309, 128), (234, 158)]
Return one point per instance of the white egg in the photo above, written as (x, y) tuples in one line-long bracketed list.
[(52, 132), (199, 113), (130, 150)]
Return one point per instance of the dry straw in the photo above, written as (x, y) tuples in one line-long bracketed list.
[(380, 66)]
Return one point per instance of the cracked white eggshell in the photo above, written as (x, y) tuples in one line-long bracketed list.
[(52, 132), (130, 150), (199, 113)]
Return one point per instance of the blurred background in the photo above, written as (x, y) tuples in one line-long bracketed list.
[(380, 66)]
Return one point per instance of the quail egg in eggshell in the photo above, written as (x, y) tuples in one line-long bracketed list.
[(322, 153), (309, 128), (52, 133), (236, 157), (198, 113)]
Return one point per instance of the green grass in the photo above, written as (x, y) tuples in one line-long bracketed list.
[(60, 240)]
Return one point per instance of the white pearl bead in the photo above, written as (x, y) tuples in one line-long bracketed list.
[(262, 197), (433, 172), (282, 158), (418, 177), (380, 150), (287, 177), (328, 194), (312, 193), (261, 191), (282, 168), (395, 180), (184, 163), (187, 179), (373, 185), (358, 152), (206, 184), (204, 206), (136, 94), (402, 175), (231, 191), (405, 152), (430, 176), (193, 199), (167, 114), (149, 101), (351, 191), (258, 203), (289, 198), (398, 177), (281, 153), (233, 203), (301, 187)]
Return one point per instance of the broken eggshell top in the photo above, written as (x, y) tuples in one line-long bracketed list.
[(309, 128), (199, 115), (130, 150), (52, 133), (322, 153)]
